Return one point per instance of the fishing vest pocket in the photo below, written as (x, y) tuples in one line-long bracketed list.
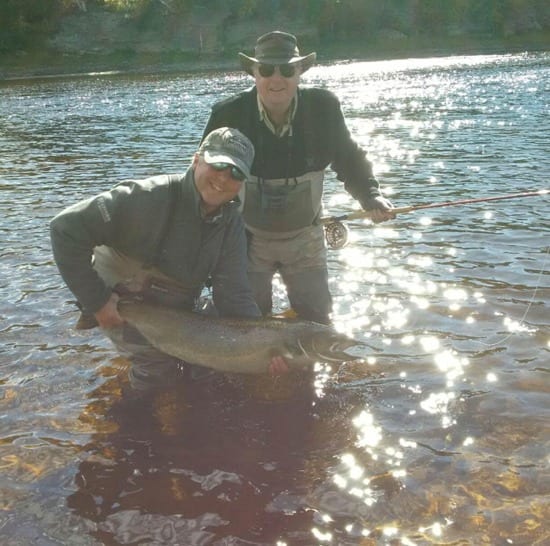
[(283, 205)]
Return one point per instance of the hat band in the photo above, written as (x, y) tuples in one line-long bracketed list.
[(277, 53)]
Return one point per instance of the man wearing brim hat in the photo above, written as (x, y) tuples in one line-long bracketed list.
[(297, 133)]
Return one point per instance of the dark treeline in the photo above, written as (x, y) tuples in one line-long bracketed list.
[(26, 24)]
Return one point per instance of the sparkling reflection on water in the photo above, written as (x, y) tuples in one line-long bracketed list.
[(439, 437)]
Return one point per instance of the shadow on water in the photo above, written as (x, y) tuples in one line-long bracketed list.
[(202, 461), (257, 462)]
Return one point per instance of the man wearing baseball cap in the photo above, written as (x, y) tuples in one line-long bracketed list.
[(174, 231)]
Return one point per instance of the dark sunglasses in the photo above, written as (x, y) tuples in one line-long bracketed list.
[(267, 70), (236, 174)]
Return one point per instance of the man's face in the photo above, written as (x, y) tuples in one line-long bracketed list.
[(216, 186), (276, 91)]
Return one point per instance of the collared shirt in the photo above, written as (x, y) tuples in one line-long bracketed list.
[(287, 126)]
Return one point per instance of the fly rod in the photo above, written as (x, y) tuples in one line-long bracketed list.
[(336, 232)]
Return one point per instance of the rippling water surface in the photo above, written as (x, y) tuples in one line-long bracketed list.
[(440, 437)]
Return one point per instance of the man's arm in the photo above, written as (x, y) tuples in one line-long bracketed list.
[(354, 169), (231, 290), (113, 218), (74, 233)]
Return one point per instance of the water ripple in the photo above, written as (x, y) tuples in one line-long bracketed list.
[(439, 435)]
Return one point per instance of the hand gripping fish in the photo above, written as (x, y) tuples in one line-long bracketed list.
[(236, 345)]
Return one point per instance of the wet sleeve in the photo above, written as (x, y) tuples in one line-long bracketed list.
[(76, 231), (232, 293)]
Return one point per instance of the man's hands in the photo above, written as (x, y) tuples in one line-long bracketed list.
[(278, 366), (379, 209), (108, 316)]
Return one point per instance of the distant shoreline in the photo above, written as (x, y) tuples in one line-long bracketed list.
[(46, 64)]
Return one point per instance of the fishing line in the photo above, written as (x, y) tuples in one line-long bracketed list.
[(529, 305)]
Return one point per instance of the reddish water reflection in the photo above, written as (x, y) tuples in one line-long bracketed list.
[(203, 461)]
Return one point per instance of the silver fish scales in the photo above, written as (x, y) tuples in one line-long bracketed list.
[(236, 345)]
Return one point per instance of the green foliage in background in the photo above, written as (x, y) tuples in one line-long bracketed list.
[(24, 23)]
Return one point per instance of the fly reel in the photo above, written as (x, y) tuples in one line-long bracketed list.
[(336, 234)]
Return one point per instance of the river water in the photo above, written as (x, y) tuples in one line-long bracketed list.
[(439, 437)]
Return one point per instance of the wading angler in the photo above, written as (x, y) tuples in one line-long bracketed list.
[(297, 133)]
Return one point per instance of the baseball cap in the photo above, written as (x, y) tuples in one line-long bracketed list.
[(228, 145)]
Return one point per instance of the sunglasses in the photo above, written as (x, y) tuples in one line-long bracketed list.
[(267, 70), (236, 174)]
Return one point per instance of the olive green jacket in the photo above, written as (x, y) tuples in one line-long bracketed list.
[(156, 221)]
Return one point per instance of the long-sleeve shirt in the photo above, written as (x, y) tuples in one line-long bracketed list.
[(156, 221), (286, 191)]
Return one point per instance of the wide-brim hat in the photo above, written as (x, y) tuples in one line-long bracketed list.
[(277, 48)]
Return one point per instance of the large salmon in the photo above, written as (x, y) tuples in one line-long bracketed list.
[(236, 345)]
